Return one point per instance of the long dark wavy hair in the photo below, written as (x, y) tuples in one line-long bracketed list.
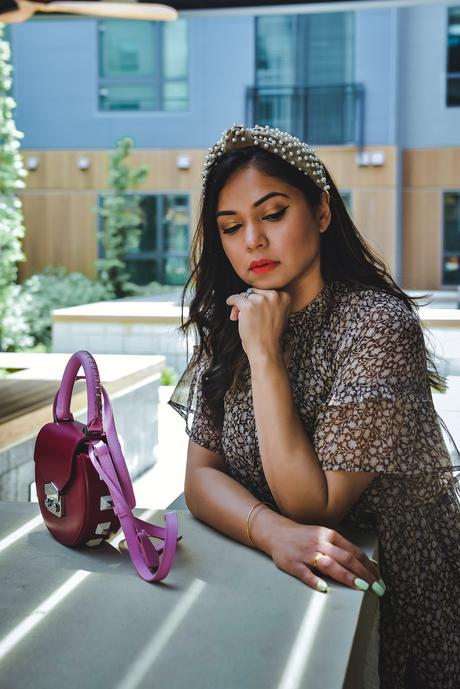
[(344, 254)]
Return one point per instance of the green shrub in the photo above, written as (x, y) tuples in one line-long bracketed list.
[(121, 219), (12, 174), (29, 323), (168, 377), (151, 289)]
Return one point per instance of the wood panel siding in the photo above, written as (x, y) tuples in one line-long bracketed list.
[(60, 198), (60, 231), (432, 168), (59, 170), (374, 216), (422, 239), (428, 173)]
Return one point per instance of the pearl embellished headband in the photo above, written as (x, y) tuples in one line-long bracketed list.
[(284, 145)]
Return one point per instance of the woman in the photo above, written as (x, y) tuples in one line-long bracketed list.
[(311, 398)]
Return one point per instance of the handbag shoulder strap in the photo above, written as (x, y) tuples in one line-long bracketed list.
[(110, 464)]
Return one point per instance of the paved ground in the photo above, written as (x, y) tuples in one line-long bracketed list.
[(158, 487)]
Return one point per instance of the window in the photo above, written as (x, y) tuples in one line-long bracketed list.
[(304, 76), (347, 199), (162, 252), (143, 65), (451, 243), (453, 58)]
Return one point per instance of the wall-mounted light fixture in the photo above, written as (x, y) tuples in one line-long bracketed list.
[(370, 158), (183, 162), (83, 163), (32, 163)]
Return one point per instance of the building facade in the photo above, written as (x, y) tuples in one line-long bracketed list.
[(376, 91)]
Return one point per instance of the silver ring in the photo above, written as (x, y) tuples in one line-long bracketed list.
[(248, 293)]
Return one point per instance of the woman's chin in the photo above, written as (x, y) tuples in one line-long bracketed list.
[(267, 282)]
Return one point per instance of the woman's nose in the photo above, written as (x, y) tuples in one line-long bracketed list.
[(255, 238)]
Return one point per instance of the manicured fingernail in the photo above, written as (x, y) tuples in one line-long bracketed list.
[(322, 586), (379, 587), (361, 584)]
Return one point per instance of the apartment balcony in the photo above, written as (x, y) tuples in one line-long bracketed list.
[(321, 115)]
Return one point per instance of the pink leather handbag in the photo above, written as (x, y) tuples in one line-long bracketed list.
[(83, 485)]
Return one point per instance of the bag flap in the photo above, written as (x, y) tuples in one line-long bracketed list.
[(55, 448)]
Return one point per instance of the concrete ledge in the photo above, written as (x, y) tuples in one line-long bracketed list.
[(265, 628), (122, 312), (117, 372), (440, 318), (125, 327)]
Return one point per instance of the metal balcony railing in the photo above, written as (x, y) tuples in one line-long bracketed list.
[(327, 115)]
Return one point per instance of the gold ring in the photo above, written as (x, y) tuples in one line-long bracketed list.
[(316, 558)]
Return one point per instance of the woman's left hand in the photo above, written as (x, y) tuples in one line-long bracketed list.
[(261, 320)]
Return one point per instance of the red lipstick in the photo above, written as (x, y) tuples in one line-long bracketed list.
[(262, 265)]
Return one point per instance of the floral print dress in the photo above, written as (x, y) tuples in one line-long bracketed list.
[(357, 365)]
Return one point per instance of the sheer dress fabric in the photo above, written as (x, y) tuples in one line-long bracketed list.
[(357, 367)]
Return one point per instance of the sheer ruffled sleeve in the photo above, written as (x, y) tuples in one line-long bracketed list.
[(187, 399), (380, 414)]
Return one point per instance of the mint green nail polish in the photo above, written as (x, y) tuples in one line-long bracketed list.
[(361, 584), (379, 587), (322, 586)]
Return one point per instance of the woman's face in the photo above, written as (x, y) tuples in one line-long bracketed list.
[(270, 235)]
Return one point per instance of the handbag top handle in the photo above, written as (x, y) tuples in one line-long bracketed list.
[(61, 407)]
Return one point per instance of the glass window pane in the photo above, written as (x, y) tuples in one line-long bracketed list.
[(453, 91), (451, 270), (176, 222), (451, 260), (143, 270), (175, 95), (129, 97), (275, 108), (346, 198), (326, 48), (308, 50), (275, 50), (453, 40), (161, 254), (148, 240), (128, 48), (175, 270), (175, 51), (452, 222)]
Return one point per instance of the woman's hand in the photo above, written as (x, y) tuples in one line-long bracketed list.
[(261, 319), (297, 548)]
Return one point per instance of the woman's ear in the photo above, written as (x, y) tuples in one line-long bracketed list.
[(323, 213)]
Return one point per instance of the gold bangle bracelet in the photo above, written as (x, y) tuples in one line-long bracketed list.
[(248, 520)]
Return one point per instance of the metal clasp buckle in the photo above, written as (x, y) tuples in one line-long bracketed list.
[(54, 502)]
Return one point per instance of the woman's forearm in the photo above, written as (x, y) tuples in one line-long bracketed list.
[(290, 464), (218, 500)]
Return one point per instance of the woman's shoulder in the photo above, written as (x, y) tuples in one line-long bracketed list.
[(360, 307)]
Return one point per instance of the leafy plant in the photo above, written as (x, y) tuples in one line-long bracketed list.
[(40, 294), (12, 173), (168, 376), (121, 220)]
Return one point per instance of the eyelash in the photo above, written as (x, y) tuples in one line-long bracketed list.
[(272, 217)]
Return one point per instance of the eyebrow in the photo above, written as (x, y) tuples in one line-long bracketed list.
[(256, 203)]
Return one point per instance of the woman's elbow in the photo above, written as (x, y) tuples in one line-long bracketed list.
[(189, 493), (318, 517)]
